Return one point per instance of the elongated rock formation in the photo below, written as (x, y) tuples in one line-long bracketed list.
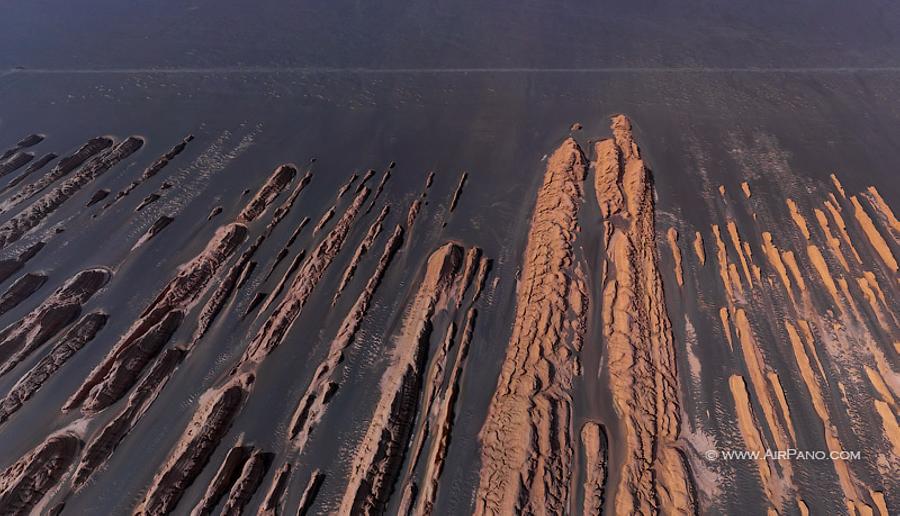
[(63, 167), (526, 440), (24, 484), (594, 446), (148, 331), (32, 168), (153, 169), (378, 458), (71, 342), (308, 498), (10, 266), (361, 250), (21, 338), (654, 476), (17, 161), (243, 267), (308, 276), (211, 422), (279, 179), (34, 214), (224, 478), (21, 290), (273, 503), (104, 443), (29, 141), (443, 412), (247, 483), (325, 381)]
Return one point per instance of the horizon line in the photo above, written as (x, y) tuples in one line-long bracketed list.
[(436, 71)]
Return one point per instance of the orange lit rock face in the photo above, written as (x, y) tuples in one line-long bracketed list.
[(640, 347), (527, 452), (398, 341)]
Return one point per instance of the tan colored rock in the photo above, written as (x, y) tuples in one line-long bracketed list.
[(594, 446), (672, 236), (641, 351), (378, 458), (526, 449), (698, 248), (798, 218), (875, 239)]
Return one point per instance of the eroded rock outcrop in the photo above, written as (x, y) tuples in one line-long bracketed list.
[(157, 323), (81, 333), (24, 484), (35, 213), (20, 339), (640, 346), (526, 449), (306, 279), (216, 411), (63, 167), (378, 458)]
